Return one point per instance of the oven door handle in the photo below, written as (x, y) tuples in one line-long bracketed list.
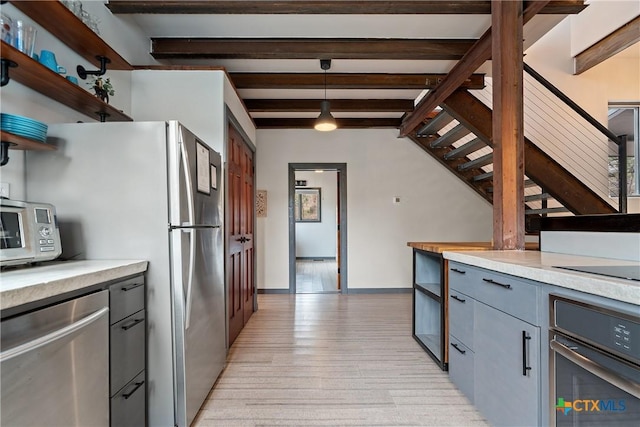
[(596, 369)]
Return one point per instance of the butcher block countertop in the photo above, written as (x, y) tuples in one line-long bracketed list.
[(29, 284), (439, 247)]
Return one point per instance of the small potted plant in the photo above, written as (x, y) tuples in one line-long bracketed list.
[(102, 87)]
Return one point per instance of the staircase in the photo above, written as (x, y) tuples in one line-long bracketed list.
[(459, 137)]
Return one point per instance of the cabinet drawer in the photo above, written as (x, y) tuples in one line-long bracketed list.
[(463, 278), (127, 350), (509, 294), (128, 405), (461, 317), (461, 367), (126, 298)]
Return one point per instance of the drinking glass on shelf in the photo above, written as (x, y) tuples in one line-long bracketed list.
[(75, 6), (6, 24), (24, 37), (86, 17)]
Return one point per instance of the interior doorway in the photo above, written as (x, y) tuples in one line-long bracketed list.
[(317, 228)]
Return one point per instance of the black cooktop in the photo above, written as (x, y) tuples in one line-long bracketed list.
[(629, 272)]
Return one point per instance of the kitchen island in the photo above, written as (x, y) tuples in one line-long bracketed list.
[(503, 329), (430, 290)]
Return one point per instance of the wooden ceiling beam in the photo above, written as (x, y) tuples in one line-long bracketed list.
[(457, 7), (625, 36), (469, 63), (309, 48), (347, 81), (313, 105), (343, 123)]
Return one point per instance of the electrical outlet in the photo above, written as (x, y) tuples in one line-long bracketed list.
[(4, 189), (396, 200)]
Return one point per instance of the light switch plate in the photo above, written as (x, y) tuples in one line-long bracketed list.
[(4, 189)]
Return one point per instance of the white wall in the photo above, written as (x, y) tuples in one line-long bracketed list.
[(318, 239), (599, 19), (194, 97), (434, 204), (616, 79), (21, 100)]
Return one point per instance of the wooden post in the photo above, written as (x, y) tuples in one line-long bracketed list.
[(508, 135)]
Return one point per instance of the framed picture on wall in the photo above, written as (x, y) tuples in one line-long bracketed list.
[(307, 205)]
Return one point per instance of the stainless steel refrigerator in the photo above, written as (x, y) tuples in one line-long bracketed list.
[(153, 191)]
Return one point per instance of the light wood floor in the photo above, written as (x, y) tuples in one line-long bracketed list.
[(316, 276), (331, 359)]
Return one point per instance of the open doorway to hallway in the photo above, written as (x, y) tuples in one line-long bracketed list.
[(316, 216), (317, 228)]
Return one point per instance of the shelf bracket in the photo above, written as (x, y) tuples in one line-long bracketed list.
[(103, 116), (83, 73), (5, 64), (4, 152)]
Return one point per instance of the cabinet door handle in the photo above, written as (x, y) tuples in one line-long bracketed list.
[(525, 360), (457, 298), (137, 386), (132, 324), (493, 282), (458, 348), (133, 286), (459, 271)]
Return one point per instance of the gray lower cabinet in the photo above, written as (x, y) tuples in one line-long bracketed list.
[(507, 376), (495, 343), (127, 351), (461, 367)]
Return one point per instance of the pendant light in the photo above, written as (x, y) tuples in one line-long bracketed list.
[(325, 121)]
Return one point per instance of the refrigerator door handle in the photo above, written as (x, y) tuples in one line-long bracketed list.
[(192, 238), (196, 227)]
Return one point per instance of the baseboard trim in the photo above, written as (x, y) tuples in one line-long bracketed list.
[(323, 258), (380, 290), (273, 291)]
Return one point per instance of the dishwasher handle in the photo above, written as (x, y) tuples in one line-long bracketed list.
[(53, 336)]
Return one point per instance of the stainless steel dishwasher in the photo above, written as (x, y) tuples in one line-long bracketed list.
[(55, 365)]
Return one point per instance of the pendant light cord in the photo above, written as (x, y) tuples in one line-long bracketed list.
[(325, 85)]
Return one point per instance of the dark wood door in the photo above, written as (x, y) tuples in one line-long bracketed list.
[(247, 213), (240, 258)]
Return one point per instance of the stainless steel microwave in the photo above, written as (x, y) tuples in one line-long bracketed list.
[(28, 232)]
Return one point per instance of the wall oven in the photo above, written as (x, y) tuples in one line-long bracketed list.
[(594, 365)]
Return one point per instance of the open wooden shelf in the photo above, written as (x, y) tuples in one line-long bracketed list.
[(49, 83), (20, 143), (65, 26)]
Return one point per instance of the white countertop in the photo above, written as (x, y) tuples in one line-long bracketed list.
[(538, 266), (28, 284)]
